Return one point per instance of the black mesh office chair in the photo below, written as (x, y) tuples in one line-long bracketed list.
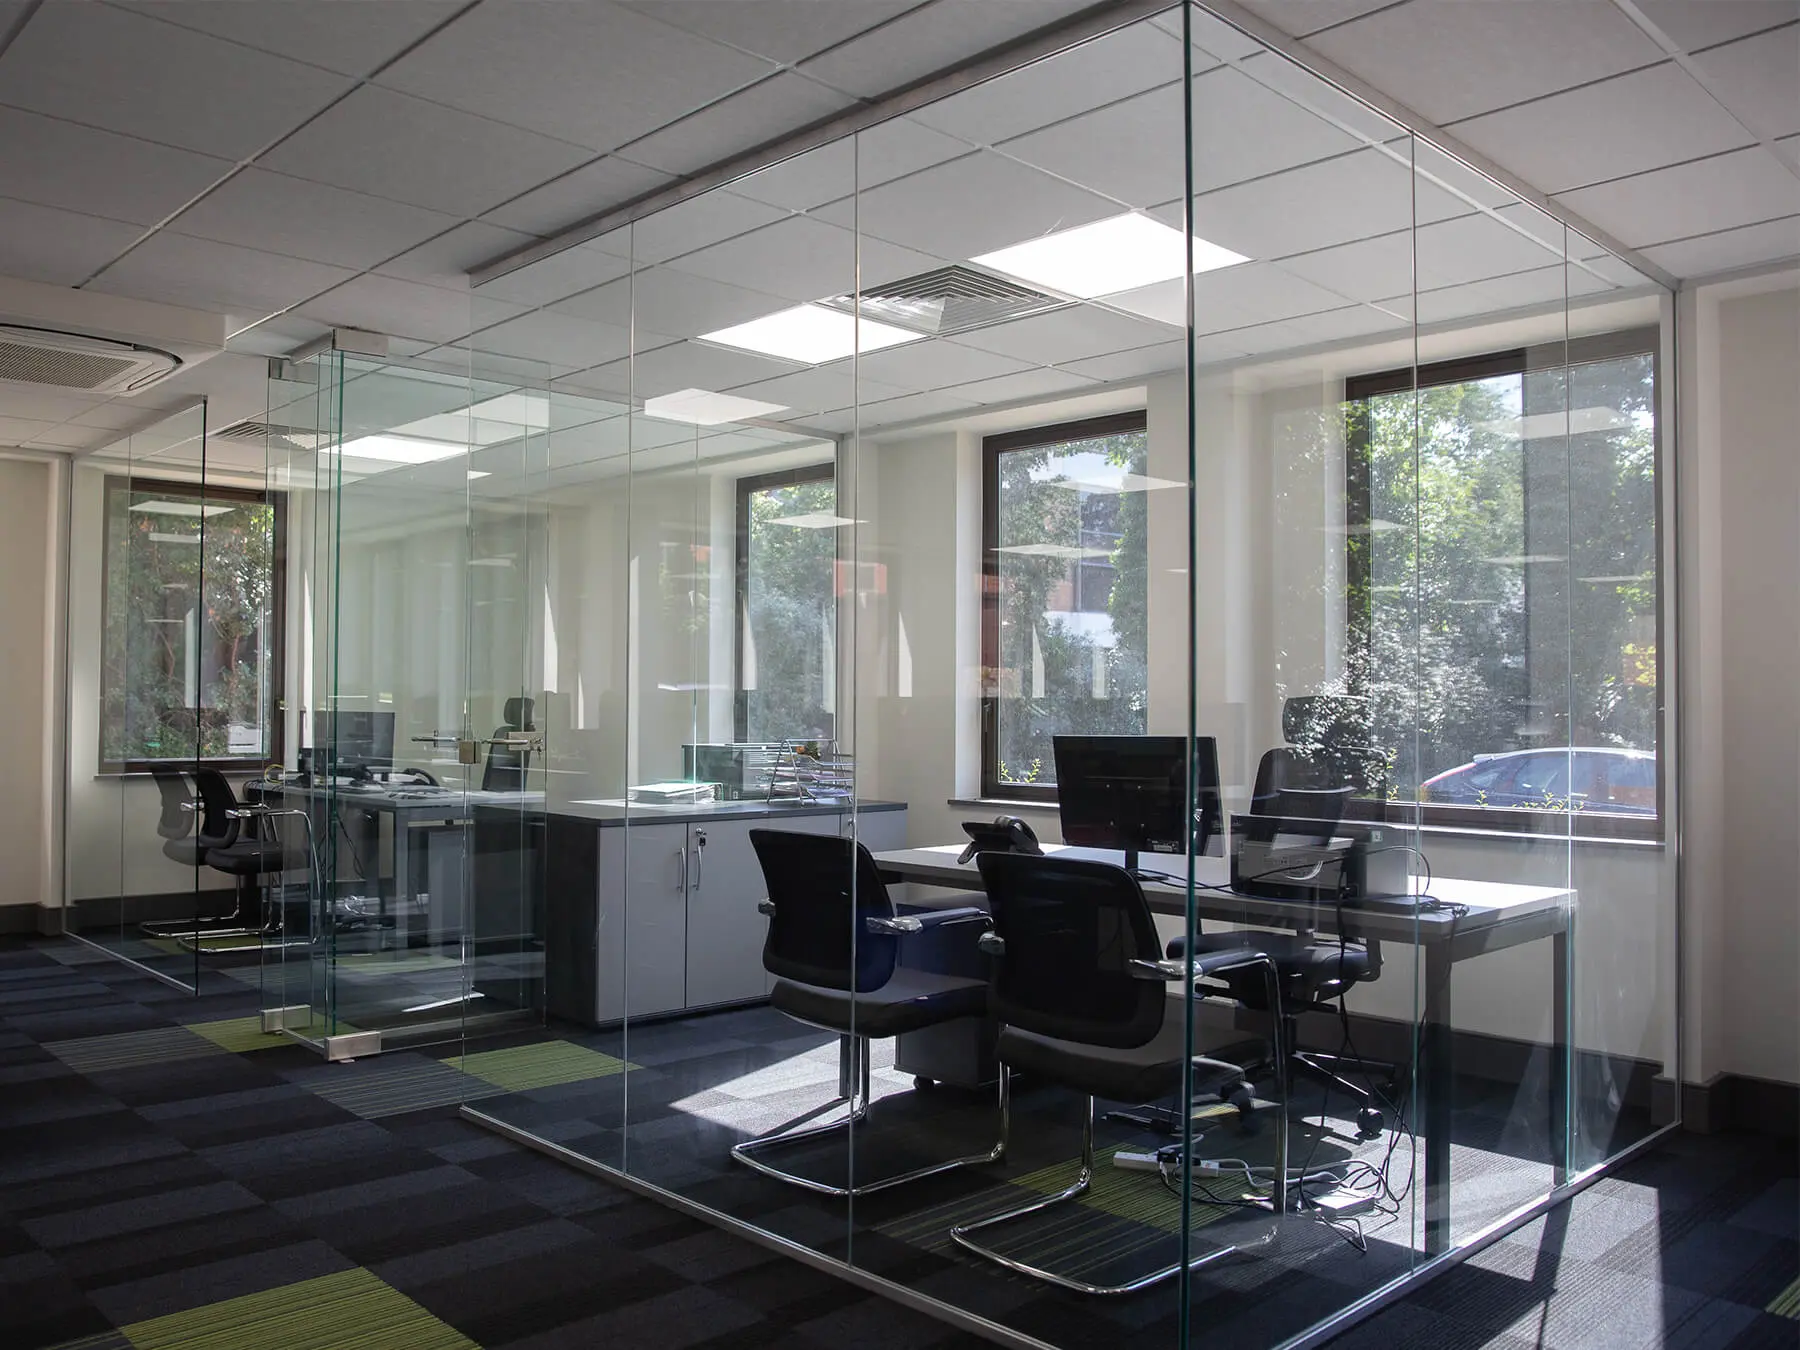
[(1330, 758), (506, 765), (180, 811), (832, 946), (245, 853), (1080, 994)]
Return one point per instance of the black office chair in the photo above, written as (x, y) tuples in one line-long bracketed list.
[(506, 765), (189, 832), (832, 946), (1079, 991), (247, 854), (1329, 760)]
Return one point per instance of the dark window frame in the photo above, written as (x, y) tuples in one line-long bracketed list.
[(1521, 361), (276, 657), (992, 448), (825, 472)]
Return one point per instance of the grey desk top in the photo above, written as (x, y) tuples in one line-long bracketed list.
[(603, 811), (1468, 905)]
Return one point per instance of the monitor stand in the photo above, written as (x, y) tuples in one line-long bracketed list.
[(1138, 874)]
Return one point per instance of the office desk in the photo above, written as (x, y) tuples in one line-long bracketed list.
[(1494, 916), (405, 811)]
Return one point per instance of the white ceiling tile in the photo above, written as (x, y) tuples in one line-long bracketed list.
[(1621, 126), (1759, 79), (696, 223), (259, 209), (104, 67), (1695, 24), (1102, 70), (1316, 99), (21, 430), (910, 408), (884, 152), (180, 270), (970, 206), (1299, 18), (353, 38), (1231, 297), (591, 73), (1065, 335), (562, 342), (1025, 384), (381, 304), (280, 336), (1364, 269), (690, 365), (820, 390), (1740, 188), (1213, 39), (1131, 151), (931, 38), (668, 301), (1497, 295), (557, 277), (1309, 330), (578, 195), (1351, 197), (1726, 249), (934, 363), (763, 112), (98, 173), (406, 150), (1426, 57), (1134, 364), (782, 30), (116, 414), (45, 405), (446, 260), (59, 248), (71, 436), (1472, 247), (1447, 172), (802, 258)]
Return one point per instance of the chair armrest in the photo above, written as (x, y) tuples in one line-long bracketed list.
[(1203, 966), (1157, 970), (902, 924)]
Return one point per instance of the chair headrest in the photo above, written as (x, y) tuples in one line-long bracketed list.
[(1324, 719), (517, 713)]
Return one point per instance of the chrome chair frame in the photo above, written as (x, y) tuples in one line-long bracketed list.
[(1202, 968)]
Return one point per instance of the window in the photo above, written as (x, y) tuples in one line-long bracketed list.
[(1503, 583), (787, 605), (1063, 595), (191, 644)]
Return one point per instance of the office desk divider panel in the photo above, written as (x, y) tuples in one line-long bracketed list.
[(1155, 387)]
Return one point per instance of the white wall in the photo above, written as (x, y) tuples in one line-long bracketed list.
[(27, 571), (1741, 781)]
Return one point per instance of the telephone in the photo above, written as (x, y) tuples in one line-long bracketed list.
[(1007, 834)]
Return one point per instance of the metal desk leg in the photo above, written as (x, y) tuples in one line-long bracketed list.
[(402, 877), (1560, 1086), (1439, 1091)]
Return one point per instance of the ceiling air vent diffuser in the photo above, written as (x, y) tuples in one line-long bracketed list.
[(947, 300), (49, 356), (276, 437)]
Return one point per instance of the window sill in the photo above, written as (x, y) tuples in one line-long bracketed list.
[(1012, 806)]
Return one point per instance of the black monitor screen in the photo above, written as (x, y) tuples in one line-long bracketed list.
[(1131, 793), (364, 739)]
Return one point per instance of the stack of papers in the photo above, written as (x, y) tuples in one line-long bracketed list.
[(672, 794)]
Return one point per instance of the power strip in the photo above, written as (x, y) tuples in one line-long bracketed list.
[(1137, 1162)]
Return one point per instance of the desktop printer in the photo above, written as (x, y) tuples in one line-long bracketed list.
[(1290, 860)]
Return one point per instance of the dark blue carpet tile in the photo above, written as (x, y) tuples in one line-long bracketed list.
[(144, 1172)]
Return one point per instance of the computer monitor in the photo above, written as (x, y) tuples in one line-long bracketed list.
[(354, 740), (1131, 793)]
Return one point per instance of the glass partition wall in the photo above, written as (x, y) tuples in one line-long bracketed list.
[(1155, 446), (176, 622)]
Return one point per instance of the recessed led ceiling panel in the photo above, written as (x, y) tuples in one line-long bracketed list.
[(1106, 257), (704, 408), (810, 334)]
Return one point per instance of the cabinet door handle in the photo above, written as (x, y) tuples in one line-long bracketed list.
[(682, 854), (699, 858)]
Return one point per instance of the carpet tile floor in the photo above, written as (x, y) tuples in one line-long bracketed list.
[(171, 1178)]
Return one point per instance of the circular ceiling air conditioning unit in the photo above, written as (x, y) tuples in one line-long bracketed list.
[(63, 360)]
